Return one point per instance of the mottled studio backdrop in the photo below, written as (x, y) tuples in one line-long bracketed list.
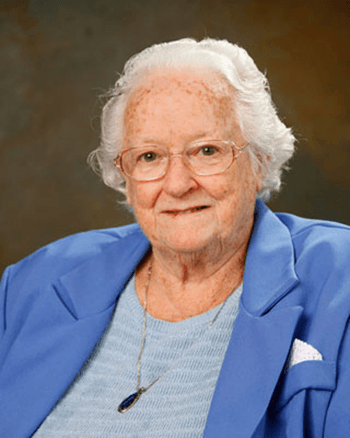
[(58, 56)]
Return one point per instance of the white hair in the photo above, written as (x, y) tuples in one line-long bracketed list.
[(271, 143)]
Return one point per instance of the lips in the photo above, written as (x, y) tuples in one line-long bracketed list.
[(176, 212)]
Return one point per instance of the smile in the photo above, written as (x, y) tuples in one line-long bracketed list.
[(187, 210)]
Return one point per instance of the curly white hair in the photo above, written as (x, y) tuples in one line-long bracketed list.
[(271, 143)]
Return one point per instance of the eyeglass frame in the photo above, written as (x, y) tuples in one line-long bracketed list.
[(118, 160)]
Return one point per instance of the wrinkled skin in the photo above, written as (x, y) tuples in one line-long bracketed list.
[(193, 250)]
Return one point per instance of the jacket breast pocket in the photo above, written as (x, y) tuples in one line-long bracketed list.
[(310, 374), (301, 399)]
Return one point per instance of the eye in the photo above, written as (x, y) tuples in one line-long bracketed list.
[(208, 150), (148, 157), (205, 150)]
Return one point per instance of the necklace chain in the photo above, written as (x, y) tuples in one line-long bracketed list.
[(129, 402)]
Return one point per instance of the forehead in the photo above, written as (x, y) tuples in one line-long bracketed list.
[(161, 91), (208, 86)]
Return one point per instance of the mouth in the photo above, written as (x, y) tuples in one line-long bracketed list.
[(176, 212)]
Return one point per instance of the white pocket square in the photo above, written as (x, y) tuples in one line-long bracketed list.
[(301, 352)]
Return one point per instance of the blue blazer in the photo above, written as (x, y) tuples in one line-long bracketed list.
[(56, 304)]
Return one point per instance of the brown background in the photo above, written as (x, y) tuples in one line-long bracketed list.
[(58, 56)]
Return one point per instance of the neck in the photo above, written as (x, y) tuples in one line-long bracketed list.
[(185, 285)]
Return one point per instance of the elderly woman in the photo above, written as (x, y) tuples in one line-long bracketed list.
[(212, 316)]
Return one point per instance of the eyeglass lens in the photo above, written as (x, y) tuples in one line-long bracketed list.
[(203, 158)]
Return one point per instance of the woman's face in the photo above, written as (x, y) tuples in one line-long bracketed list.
[(173, 110)]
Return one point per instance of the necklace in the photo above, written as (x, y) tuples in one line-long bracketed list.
[(132, 399)]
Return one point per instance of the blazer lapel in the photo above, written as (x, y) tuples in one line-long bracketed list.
[(60, 332), (262, 334), (254, 360), (94, 285)]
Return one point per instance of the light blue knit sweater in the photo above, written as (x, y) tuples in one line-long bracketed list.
[(174, 407)]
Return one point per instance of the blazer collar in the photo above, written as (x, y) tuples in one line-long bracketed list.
[(94, 285), (269, 271)]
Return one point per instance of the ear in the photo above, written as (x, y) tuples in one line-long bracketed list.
[(260, 172), (258, 182)]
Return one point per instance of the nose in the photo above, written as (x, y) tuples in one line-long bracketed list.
[(178, 180)]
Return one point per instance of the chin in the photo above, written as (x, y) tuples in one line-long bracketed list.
[(185, 243)]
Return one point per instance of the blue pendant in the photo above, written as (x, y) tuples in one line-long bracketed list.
[(130, 401)]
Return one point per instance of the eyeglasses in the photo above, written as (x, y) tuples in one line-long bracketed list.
[(151, 162)]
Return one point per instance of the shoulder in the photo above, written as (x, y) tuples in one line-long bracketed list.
[(84, 260), (321, 257), (321, 239), (299, 225), (65, 254), (299, 239)]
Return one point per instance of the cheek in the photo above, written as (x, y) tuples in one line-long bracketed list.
[(140, 196), (235, 196), (223, 187)]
